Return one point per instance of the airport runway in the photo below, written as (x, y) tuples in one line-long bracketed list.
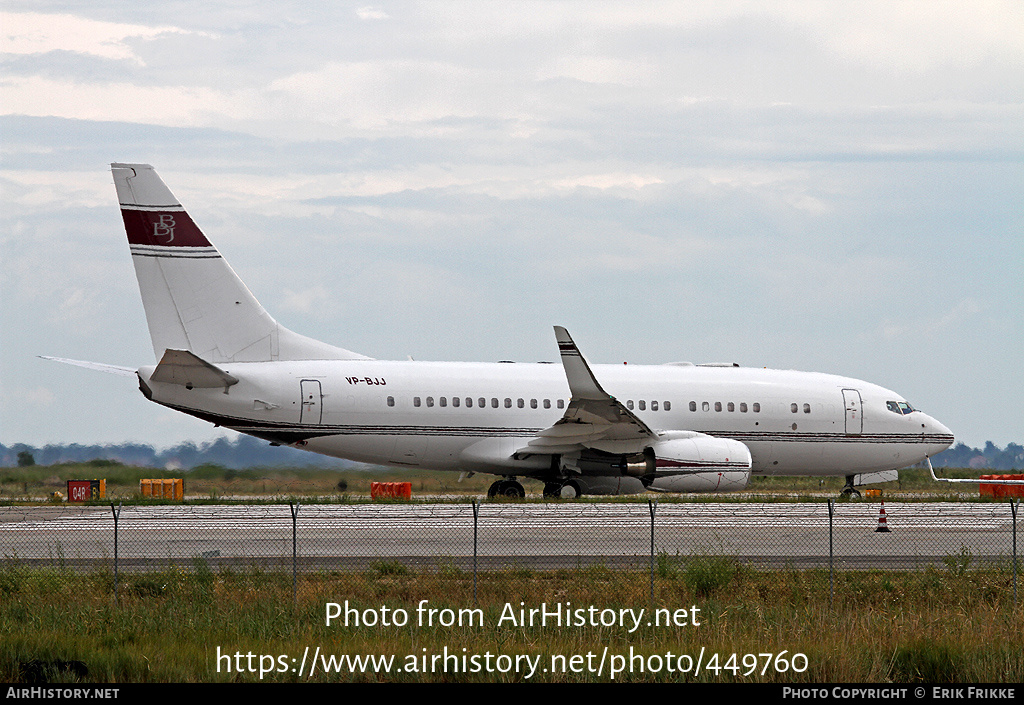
[(530, 535)]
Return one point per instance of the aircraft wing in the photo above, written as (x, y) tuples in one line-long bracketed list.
[(593, 418)]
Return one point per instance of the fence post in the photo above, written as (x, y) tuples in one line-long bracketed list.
[(652, 507), (295, 580), (831, 575), (476, 520), (1014, 503), (117, 515)]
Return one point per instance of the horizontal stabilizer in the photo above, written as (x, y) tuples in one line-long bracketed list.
[(188, 370), (111, 369)]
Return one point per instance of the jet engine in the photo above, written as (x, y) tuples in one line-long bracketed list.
[(698, 463), (681, 461)]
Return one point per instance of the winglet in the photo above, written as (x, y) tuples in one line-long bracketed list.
[(582, 382)]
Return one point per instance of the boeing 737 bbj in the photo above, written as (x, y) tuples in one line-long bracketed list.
[(576, 427)]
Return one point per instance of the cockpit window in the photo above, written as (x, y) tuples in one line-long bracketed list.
[(900, 407)]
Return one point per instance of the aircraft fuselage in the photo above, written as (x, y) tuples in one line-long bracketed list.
[(474, 416)]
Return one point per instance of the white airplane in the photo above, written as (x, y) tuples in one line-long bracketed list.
[(601, 429)]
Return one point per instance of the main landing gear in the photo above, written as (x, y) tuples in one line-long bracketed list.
[(508, 487), (849, 490), (569, 489)]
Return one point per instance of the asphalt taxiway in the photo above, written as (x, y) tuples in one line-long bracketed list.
[(352, 536)]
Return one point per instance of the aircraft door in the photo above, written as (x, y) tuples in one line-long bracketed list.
[(312, 402), (854, 412)]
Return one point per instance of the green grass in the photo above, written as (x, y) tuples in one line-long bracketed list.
[(933, 625), (216, 484)]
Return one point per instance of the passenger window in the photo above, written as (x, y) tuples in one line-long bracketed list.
[(533, 403), (560, 403), (455, 401), (391, 401), (731, 407), (629, 404), (520, 403), (481, 402), (508, 403), (494, 402), (469, 402), (693, 406), (705, 406), (642, 404), (743, 407), (654, 406), (792, 407), (415, 401), (718, 406), (443, 401), (757, 407), (547, 403), (430, 402), (807, 408), (668, 406)]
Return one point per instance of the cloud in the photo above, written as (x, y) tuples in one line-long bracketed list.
[(39, 33), (371, 13)]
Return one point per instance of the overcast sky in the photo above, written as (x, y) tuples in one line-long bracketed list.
[(836, 187)]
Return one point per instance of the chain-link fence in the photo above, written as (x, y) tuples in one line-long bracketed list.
[(492, 536)]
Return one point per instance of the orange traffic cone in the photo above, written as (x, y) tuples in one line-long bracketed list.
[(882, 525)]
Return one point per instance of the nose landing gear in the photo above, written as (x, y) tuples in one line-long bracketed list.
[(849, 490)]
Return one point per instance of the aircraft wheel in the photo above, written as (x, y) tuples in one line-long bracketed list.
[(513, 490), (552, 490), (570, 490), (506, 488)]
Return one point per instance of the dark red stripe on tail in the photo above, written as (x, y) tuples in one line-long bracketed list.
[(162, 228)]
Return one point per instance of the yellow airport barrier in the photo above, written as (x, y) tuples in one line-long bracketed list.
[(163, 488)]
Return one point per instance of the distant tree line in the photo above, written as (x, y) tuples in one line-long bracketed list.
[(247, 452), (241, 452), (991, 457)]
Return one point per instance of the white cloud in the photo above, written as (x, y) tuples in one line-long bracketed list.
[(371, 13), (607, 181), (38, 33), (168, 105)]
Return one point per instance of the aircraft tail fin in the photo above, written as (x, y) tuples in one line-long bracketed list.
[(194, 301)]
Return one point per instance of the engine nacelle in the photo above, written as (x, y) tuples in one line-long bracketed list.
[(698, 463), (610, 485)]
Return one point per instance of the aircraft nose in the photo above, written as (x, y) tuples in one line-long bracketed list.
[(936, 434)]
